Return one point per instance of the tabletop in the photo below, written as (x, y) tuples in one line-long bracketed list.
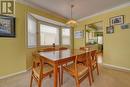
[(60, 54)]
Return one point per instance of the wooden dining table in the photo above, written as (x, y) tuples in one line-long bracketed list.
[(58, 58)]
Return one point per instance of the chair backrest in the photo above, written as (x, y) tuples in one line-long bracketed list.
[(63, 48), (93, 55), (47, 49), (37, 62), (82, 48), (83, 58), (86, 62)]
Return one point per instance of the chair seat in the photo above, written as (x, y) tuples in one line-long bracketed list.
[(46, 69), (82, 70)]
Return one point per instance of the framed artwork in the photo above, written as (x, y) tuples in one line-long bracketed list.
[(78, 34), (117, 20), (7, 26), (110, 29), (125, 26)]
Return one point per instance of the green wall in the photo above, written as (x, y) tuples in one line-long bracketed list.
[(116, 45)]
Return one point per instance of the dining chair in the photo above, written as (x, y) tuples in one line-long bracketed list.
[(93, 63), (78, 71), (82, 59), (63, 48), (85, 48), (40, 70), (82, 48), (47, 49)]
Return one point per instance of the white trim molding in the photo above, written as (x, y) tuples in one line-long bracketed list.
[(116, 67), (106, 11), (12, 74)]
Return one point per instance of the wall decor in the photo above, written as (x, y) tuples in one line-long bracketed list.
[(117, 20), (125, 26), (7, 26), (110, 29), (78, 34)]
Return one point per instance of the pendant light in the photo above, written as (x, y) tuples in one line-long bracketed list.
[(71, 20)]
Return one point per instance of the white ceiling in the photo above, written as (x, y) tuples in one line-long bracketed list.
[(83, 8)]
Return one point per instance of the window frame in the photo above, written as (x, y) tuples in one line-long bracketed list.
[(48, 24), (31, 46), (69, 38), (38, 22)]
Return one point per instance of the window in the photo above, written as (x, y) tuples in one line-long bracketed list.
[(66, 36), (31, 31), (49, 35), (100, 40)]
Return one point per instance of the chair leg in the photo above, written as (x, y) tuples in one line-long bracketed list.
[(91, 72), (89, 78), (77, 83), (31, 81), (61, 75), (97, 68), (39, 83), (59, 79)]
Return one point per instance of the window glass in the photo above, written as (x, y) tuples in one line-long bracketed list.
[(49, 35), (66, 36), (31, 32)]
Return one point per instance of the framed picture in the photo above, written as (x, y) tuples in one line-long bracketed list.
[(78, 34), (7, 26), (125, 26), (117, 20), (110, 29)]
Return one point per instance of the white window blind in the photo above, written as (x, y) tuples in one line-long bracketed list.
[(66, 36), (49, 35), (31, 32)]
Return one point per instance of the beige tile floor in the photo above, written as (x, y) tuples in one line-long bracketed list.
[(107, 78)]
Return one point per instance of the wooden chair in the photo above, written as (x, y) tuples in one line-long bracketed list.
[(93, 63), (78, 71), (82, 59), (82, 48), (40, 70), (63, 48), (47, 49)]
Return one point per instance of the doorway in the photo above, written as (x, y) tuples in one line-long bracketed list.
[(94, 37)]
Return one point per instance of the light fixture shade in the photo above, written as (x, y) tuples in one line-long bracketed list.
[(71, 22)]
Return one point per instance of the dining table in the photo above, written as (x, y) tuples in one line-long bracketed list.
[(58, 58)]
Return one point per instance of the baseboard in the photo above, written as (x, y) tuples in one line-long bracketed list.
[(116, 67), (28, 68), (13, 74)]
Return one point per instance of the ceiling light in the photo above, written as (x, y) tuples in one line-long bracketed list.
[(71, 20)]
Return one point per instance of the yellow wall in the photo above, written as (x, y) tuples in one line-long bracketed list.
[(117, 45), (14, 55)]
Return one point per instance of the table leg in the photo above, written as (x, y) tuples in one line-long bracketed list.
[(55, 74)]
